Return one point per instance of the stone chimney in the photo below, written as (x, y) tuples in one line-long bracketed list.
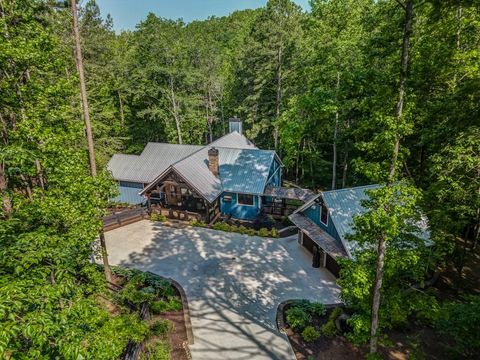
[(213, 160), (235, 124)]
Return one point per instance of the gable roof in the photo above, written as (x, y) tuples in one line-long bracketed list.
[(342, 206), (154, 159), (243, 168)]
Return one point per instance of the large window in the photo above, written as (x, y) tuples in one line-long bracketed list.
[(324, 215), (244, 199)]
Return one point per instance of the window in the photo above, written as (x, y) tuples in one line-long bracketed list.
[(324, 215), (227, 198), (244, 199)]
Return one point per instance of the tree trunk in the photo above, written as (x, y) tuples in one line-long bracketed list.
[(345, 169), (86, 116), (279, 96), (376, 294), (6, 201), (335, 135), (122, 114), (407, 32), (175, 111), (40, 174), (408, 8)]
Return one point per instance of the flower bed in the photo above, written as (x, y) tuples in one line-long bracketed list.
[(223, 226)]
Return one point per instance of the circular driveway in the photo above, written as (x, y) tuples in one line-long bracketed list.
[(233, 283)]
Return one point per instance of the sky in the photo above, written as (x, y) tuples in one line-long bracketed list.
[(127, 13)]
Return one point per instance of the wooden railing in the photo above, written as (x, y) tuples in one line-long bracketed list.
[(126, 217)]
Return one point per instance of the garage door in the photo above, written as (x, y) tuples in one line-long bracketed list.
[(332, 266)]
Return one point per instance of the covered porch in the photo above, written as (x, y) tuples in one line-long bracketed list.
[(175, 198), (281, 201)]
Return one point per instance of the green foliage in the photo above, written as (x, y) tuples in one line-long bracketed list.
[(158, 217), (460, 321), (310, 334), (297, 318), (161, 327), (161, 306), (392, 212), (263, 232), (197, 223), (156, 351), (329, 329), (317, 309)]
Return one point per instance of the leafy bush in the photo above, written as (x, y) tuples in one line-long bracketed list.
[(161, 306), (317, 308), (156, 351), (329, 329), (264, 232), (297, 318), (161, 327), (198, 223), (360, 329), (275, 233), (310, 334), (242, 230), (158, 217), (133, 292)]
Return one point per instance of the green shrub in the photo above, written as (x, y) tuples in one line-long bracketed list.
[(162, 306), (158, 217), (134, 292), (156, 351), (310, 334), (161, 327), (251, 232), (274, 233), (297, 318), (198, 223), (242, 230), (317, 308), (329, 329), (264, 232)]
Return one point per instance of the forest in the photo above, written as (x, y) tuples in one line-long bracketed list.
[(352, 92)]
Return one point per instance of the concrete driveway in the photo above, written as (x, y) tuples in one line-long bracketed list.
[(233, 283)]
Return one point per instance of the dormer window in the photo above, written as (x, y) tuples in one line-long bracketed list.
[(324, 215)]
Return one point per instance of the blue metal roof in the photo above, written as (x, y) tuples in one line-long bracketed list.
[(342, 206)]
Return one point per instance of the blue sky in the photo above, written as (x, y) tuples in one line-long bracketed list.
[(127, 13)]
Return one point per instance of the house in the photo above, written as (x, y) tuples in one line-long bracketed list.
[(325, 220), (229, 176)]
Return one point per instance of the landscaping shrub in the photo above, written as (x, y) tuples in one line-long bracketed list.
[(156, 351), (198, 223), (158, 217), (242, 230), (161, 306), (329, 329), (163, 287), (310, 334), (161, 327), (297, 318), (264, 232), (317, 308), (133, 292), (275, 233)]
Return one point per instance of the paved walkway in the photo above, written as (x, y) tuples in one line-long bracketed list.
[(233, 283)]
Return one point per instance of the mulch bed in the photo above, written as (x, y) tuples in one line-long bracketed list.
[(337, 348), (402, 344)]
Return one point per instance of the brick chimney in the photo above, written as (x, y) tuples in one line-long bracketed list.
[(213, 160)]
